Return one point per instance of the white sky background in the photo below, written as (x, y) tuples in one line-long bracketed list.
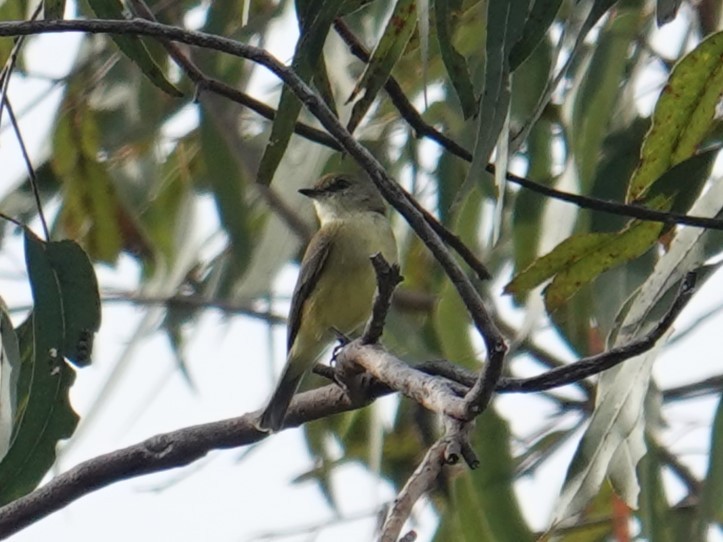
[(224, 497)]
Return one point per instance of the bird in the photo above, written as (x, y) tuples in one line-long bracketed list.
[(336, 283)]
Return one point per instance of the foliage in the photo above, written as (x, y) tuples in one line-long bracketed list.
[(549, 88)]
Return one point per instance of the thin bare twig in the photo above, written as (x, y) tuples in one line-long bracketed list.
[(5, 104), (28, 166), (388, 277), (194, 302), (598, 363)]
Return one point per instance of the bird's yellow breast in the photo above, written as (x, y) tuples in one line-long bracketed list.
[(345, 291)]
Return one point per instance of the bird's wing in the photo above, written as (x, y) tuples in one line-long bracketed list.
[(311, 267)]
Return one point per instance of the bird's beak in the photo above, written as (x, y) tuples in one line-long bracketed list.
[(310, 192)]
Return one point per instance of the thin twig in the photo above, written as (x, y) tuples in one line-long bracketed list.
[(713, 384), (388, 277), (600, 362), (28, 166), (194, 302), (5, 103)]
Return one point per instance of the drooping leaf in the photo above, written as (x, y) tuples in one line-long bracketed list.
[(387, 52), (9, 11), (593, 15), (44, 412), (454, 62), (582, 258), (505, 24), (133, 48), (315, 19), (229, 191), (614, 441), (654, 512), (423, 30), (683, 114), (541, 16), (529, 207), (597, 530)]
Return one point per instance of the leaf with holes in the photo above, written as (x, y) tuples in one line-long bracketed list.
[(683, 115)]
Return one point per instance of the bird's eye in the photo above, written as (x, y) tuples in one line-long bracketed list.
[(340, 183)]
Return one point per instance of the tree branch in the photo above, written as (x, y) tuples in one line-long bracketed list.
[(179, 448), (162, 452)]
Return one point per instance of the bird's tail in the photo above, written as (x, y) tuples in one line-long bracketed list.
[(273, 416)]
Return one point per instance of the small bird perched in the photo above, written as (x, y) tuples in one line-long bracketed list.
[(336, 283)]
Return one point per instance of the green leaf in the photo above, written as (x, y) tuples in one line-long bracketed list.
[(613, 443), (80, 300), (505, 23), (680, 186), (53, 9), (315, 19), (9, 11), (683, 115), (133, 48), (604, 251), (451, 320), (580, 258), (589, 527), (44, 412), (541, 16), (454, 62), (388, 51)]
